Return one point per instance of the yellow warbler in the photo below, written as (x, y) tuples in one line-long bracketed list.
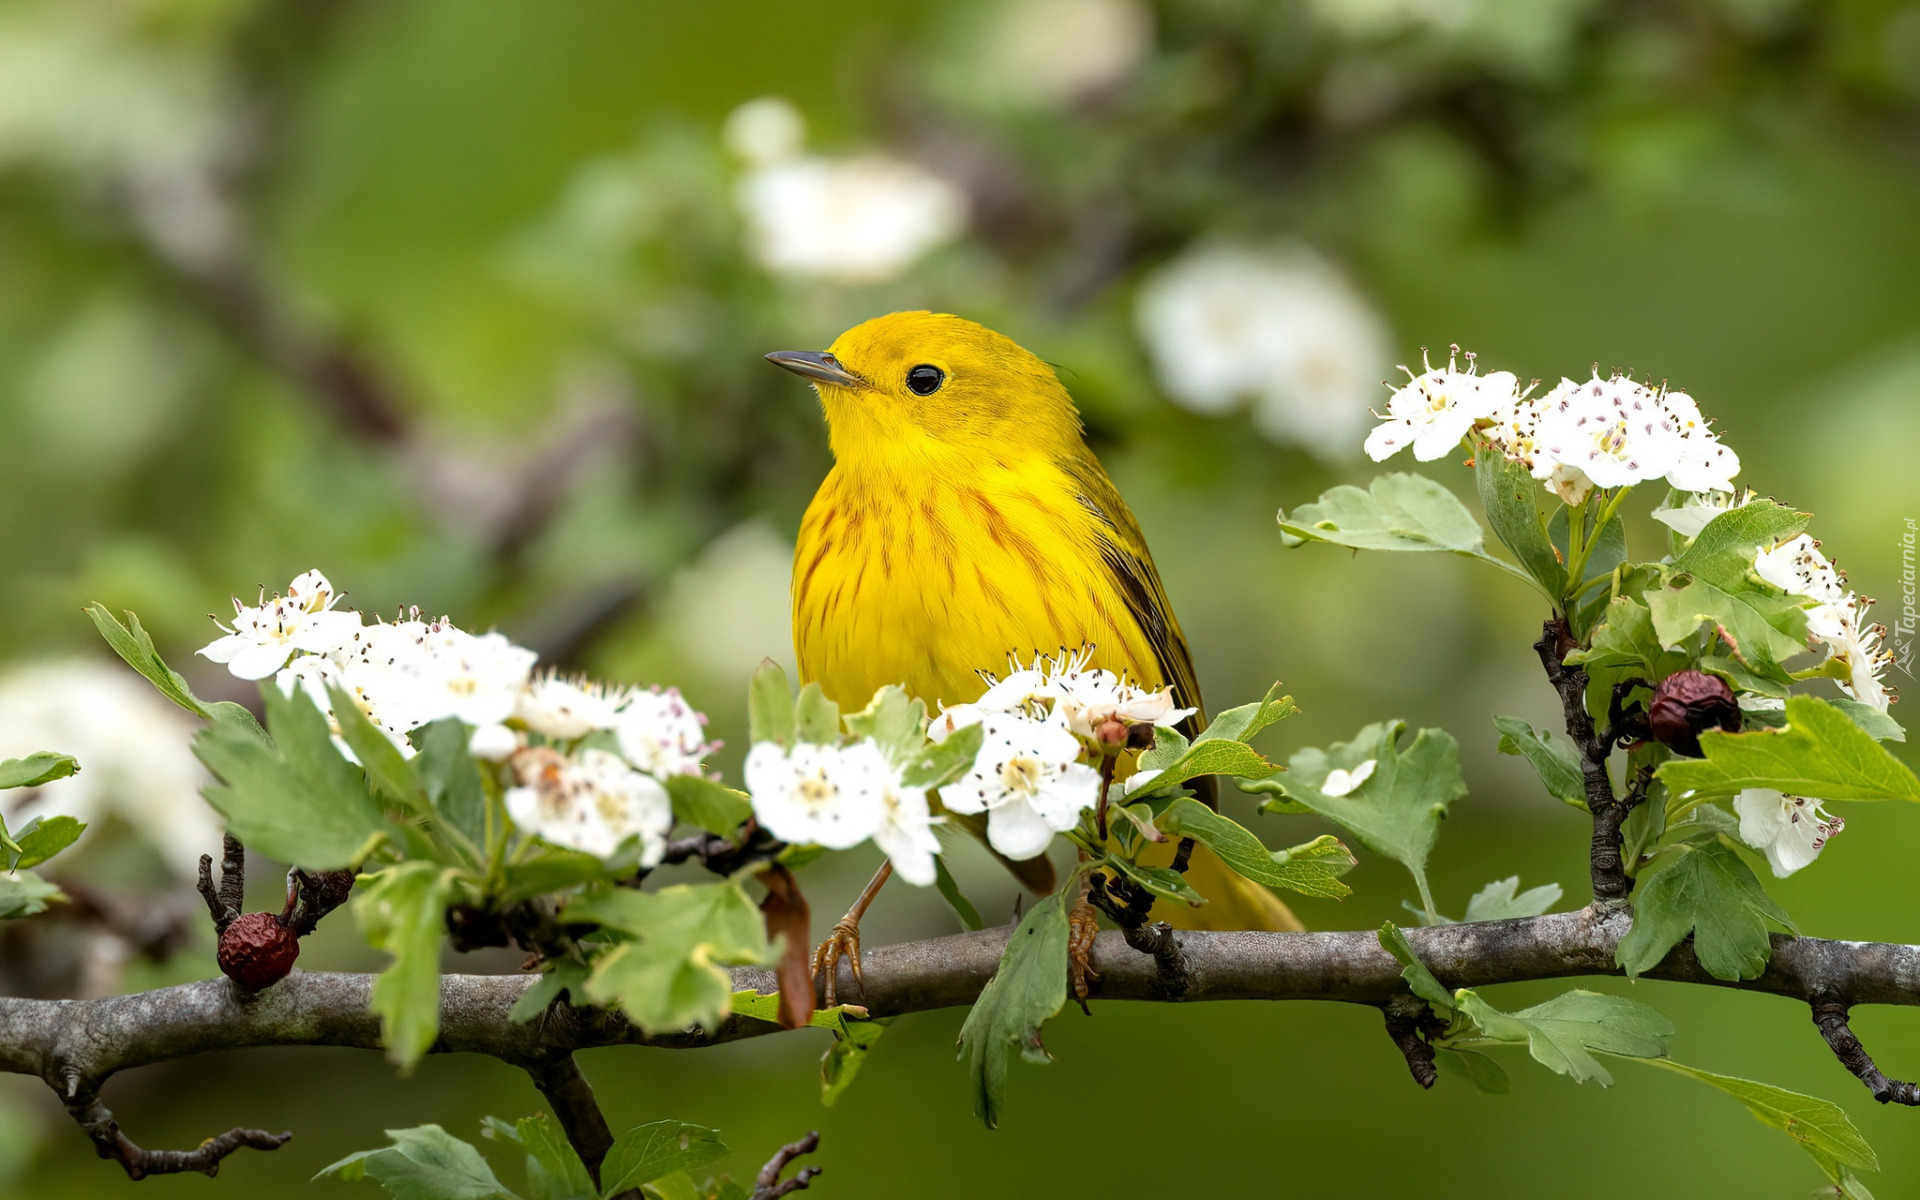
[(965, 519)]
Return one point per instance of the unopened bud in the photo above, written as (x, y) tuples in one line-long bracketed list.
[(1688, 703), (1110, 733)]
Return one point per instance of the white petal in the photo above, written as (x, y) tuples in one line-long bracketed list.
[(494, 743), (1017, 831), (257, 660)]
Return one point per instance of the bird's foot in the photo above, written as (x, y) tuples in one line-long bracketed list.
[(842, 943), (1082, 924)]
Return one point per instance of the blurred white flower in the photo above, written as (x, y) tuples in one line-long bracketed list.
[(134, 747), (1342, 782), (1790, 830), (820, 794), (764, 131), (593, 803), (263, 636), (660, 733), (493, 743), (1028, 779), (1226, 323), (476, 677), (1433, 411), (1058, 53), (847, 220), (1698, 508), (558, 707), (905, 831)]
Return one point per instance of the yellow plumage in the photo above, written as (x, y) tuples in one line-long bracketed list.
[(971, 522)]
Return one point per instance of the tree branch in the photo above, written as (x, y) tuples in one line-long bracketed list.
[(1610, 881), (559, 1079), (768, 1185), (1830, 1016)]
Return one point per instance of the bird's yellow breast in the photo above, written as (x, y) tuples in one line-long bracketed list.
[(931, 573)]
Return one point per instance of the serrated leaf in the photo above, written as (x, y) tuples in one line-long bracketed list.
[(1820, 752), (1397, 811), (1765, 627), (1820, 1127), (554, 1169), (657, 1149), (1395, 512), (1724, 551), (402, 911), (1510, 496), (424, 1163), (770, 715), (895, 721), (1027, 990), (1218, 756), (1622, 638), (1712, 893), (1563, 1033), (1394, 941), (712, 806), (136, 649), (1497, 901), (675, 974), (1314, 868), (1553, 756), (42, 838), (24, 894), (36, 770), (1242, 723), (296, 800)]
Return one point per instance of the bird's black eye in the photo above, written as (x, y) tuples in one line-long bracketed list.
[(925, 379)]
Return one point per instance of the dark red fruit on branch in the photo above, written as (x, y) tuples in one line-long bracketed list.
[(1686, 704), (257, 951)]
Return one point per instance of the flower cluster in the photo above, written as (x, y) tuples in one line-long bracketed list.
[(838, 797), (413, 671), (1837, 619), (1602, 433)]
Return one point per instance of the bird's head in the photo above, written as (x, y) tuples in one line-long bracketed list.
[(912, 378)]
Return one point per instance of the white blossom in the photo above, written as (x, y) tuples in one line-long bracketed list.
[(493, 743), (1613, 432), (1028, 779), (1083, 697), (558, 707), (1696, 510), (1342, 782), (905, 832), (1227, 323), (1798, 568), (1433, 411), (1705, 464), (1789, 830), (766, 130), (475, 677), (593, 803), (1856, 646), (847, 220), (826, 795), (660, 733), (263, 636), (1059, 53)]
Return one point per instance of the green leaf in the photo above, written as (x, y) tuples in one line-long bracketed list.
[(36, 770), (548, 872), (1497, 901), (1476, 1068), (1397, 811), (562, 978), (1820, 1127), (712, 806), (815, 718), (133, 645), (1314, 868), (1764, 627), (1878, 723), (770, 716), (402, 910), (1510, 495), (387, 769), (451, 779), (950, 892), (1723, 552), (1394, 941), (1563, 1033), (1820, 752), (42, 838), (424, 1163), (895, 721), (1029, 988), (658, 1148), (1161, 881), (554, 1169), (1242, 723), (852, 1042), (941, 763), (24, 894), (1217, 756), (675, 974), (296, 800), (1623, 638), (1552, 755), (1712, 893), (1396, 512)]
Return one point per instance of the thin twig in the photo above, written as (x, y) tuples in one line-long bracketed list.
[(1610, 881), (1830, 1015), (768, 1185), (82, 1100)]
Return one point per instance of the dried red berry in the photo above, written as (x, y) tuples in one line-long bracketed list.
[(257, 951), (1686, 704)]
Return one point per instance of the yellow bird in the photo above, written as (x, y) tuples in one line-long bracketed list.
[(965, 519)]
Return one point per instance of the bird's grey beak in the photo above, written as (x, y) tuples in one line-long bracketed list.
[(822, 368)]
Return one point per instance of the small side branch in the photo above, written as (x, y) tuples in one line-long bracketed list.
[(1127, 905), (1608, 871), (768, 1185), (1408, 1017), (83, 1103), (559, 1079), (224, 903), (1830, 1015)]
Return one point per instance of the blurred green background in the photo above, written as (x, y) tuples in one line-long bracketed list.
[(463, 303)]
